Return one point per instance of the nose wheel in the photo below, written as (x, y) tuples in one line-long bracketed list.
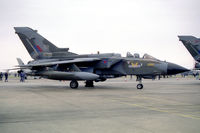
[(74, 84), (140, 85)]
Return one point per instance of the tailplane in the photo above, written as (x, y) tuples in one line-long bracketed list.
[(20, 62), (38, 46)]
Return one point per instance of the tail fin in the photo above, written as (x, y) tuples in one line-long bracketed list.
[(20, 62), (38, 46), (192, 44)]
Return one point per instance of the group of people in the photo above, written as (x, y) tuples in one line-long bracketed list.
[(5, 75), (22, 76)]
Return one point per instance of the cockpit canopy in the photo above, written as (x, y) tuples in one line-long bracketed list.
[(128, 54), (136, 55), (146, 56)]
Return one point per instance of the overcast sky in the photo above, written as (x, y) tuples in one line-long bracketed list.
[(88, 26)]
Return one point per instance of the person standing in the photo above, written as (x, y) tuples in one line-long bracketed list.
[(22, 76), (6, 76), (1, 76)]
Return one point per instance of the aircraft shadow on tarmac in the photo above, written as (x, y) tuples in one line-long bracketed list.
[(81, 88)]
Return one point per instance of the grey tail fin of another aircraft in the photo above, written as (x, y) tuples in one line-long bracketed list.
[(38, 46), (192, 44), (20, 62)]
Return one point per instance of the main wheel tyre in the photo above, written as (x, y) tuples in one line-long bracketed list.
[(89, 83), (74, 84), (139, 86)]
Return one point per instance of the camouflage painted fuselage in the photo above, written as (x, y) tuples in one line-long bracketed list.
[(58, 63)]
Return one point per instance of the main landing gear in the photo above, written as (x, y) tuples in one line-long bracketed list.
[(140, 85), (88, 83), (74, 84)]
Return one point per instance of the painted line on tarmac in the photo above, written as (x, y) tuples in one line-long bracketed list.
[(159, 110), (159, 100)]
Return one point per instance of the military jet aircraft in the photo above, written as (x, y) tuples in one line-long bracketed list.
[(59, 64), (192, 44)]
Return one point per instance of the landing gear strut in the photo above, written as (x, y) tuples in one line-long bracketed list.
[(89, 83), (74, 84), (140, 85)]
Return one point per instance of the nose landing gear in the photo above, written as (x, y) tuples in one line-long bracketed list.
[(140, 85)]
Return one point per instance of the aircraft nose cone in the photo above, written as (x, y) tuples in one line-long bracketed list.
[(175, 69)]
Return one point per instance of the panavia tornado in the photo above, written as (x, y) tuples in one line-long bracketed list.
[(56, 63)]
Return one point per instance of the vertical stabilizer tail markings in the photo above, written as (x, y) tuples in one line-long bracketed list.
[(32, 41), (38, 46), (33, 47)]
